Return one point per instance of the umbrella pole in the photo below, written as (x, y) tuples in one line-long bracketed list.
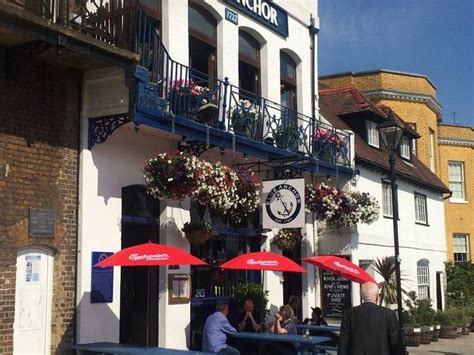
[(262, 311), (148, 307)]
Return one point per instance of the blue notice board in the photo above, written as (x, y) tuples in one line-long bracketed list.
[(102, 280)]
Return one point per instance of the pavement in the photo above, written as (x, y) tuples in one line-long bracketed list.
[(462, 345)]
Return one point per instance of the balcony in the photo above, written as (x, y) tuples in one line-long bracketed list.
[(173, 97)]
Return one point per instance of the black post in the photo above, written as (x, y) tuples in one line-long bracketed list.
[(393, 185), (312, 33)]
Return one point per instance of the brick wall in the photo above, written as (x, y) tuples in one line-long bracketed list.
[(459, 216), (386, 80), (39, 143)]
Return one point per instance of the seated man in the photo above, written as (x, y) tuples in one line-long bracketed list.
[(214, 338), (247, 321), (316, 317), (284, 324)]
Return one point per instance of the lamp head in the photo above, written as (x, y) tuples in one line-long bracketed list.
[(391, 133)]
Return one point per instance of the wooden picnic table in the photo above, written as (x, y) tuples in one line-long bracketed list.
[(114, 348), (312, 343)]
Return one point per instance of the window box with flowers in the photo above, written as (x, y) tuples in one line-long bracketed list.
[(244, 118), (327, 143), (186, 97), (340, 209), (287, 239)]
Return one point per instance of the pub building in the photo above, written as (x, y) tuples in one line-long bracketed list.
[(253, 66)]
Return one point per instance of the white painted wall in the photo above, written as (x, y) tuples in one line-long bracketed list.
[(373, 241), (117, 163)]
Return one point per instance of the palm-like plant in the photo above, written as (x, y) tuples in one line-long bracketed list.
[(385, 267)]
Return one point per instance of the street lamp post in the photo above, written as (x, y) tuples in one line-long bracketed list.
[(391, 133)]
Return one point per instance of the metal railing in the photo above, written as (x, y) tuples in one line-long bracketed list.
[(109, 21), (219, 104)]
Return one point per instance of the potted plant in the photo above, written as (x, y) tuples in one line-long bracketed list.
[(244, 118), (411, 330), (186, 97), (326, 143), (287, 239), (287, 138), (425, 315), (448, 328), (197, 233)]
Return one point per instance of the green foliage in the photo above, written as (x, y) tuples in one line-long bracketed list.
[(385, 267), (251, 291), (420, 311), (460, 279), (452, 316)]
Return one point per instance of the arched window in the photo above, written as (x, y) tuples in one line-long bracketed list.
[(287, 81), (423, 277), (249, 63), (202, 40)]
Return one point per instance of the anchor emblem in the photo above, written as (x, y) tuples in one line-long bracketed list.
[(286, 211)]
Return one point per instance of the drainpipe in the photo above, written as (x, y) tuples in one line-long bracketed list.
[(312, 33)]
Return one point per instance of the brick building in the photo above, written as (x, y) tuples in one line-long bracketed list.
[(456, 153), (41, 67), (446, 149)]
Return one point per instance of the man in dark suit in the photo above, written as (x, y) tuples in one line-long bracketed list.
[(370, 329)]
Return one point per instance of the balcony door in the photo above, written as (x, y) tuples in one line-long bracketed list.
[(288, 88), (202, 41), (249, 65)]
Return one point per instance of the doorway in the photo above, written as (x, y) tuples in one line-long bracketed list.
[(33, 301), (293, 281), (139, 285)]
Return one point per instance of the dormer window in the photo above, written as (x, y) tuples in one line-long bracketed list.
[(405, 151), (372, 134)]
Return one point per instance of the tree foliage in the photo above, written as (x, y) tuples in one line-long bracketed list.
[(460, 288)]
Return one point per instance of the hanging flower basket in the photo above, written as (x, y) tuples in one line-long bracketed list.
[(339, 209), (223, 189), (197, 233), (287, 239)]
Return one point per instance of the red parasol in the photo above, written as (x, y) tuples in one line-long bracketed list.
[(263, 261), (150, 254), (341, 267)]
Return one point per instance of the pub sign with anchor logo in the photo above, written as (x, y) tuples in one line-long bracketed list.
[(283, 203)]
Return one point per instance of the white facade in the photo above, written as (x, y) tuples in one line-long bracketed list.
[(117, 163), (417, 241)]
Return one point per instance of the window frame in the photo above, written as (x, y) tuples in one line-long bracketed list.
[(467, 246), (423, 265), (369, 125), (431, 149), (413, 141), (405, 141), (418, 221), (389, 202), (463, 183)]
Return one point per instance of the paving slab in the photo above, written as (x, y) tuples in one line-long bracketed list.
[(463, 345)]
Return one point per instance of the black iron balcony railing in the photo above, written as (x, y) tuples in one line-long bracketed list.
[(219, 104), (188, 92), (110, 21)]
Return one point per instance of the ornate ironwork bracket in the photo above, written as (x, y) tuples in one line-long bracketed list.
[(194, 147), (100, 128)]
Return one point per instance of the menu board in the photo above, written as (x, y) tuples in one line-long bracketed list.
[(336, 294)]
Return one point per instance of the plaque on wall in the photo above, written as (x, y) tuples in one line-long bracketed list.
[(42, 223), (336, 294), (102, 279)]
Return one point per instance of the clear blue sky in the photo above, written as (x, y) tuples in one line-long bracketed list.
[(430, 37)]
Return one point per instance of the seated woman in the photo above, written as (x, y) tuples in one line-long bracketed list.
[(284, 324), (316, 317)]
